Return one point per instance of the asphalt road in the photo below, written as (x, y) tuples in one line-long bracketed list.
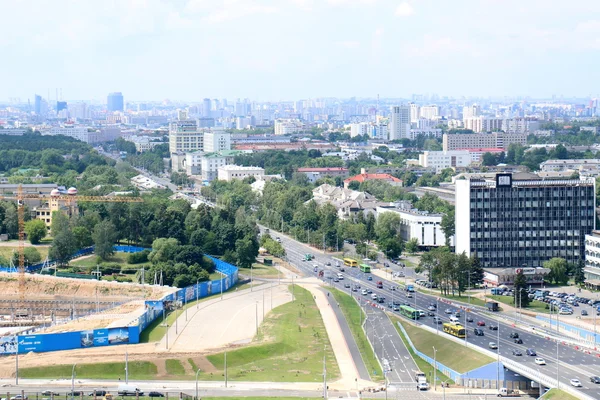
[(573, 363)]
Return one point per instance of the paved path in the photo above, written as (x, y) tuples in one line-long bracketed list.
[(363, 373)]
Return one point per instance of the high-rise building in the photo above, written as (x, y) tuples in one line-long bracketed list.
[(430, 112), (206, 112), (522, 220), (114, 102), (399, 122), (415, 112), (471, 111), (38, 105), (216, 140), (457, 141), (362, 128), (184, 135)]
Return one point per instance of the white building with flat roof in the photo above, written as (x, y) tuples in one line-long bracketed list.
[(231, 172), (441, 160), (416, 224)]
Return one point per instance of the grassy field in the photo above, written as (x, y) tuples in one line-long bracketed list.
[(293, 352), (156, 330), (174, 367), (423, 366), (353, 313), (142, 370), (449, 353), (534, 305), (7, 251), (260, 271), (558, 394)]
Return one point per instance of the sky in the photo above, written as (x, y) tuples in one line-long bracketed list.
[(271, 50)]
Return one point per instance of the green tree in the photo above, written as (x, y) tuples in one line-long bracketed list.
[(476, 271), (32, 256), (488, 159), (104, 237), (558, 270), (354, 185), (391, 247), (82, 237), (63, 244), (521, 294), (387, 226), (579, 276), (448, 226), (246, 250), (35, 230), (412, 246)]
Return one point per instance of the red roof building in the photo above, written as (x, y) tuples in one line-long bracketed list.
[(370, 177)]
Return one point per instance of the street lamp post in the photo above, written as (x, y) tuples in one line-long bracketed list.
[(197, 372), (434, 368), (73, 380), (225, 363), (126, 366)]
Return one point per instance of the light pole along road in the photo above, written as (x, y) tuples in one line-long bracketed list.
[(574, 364)]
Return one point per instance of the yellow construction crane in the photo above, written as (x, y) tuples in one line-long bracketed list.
[(55, 198)]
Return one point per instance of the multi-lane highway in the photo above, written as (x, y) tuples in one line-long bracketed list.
[(572, 363)]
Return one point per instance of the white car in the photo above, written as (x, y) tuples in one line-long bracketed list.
[(575, 382), (540, 361), (423, 386)]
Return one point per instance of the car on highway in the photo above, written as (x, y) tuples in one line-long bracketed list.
[(423, 386), (409, 295), (437, 320), (518, 340), (369, 291), (448, 311), (374, 296), (517, 352), (364, 292), (469, 319), (575, 382), (328, 264), (595, 379), (540, 361), (431, 308), (480, 323), (493, 327), (342, 269), (396, 308), (493, 345), (336, 279), (430, 313), (347, 285), (531, 352), (155, 394), (355, 289), (433, 305), (369, 278), (478, 332), (513, 335)]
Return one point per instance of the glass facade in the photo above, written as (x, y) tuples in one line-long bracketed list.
[(525, 225)]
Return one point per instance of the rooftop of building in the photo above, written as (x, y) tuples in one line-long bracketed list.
[(528, 179), (572, 161), (323, 169), (233, 167), (368, 177), (223, 153)]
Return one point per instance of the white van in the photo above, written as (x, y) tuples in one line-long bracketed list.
[(129, 390), (374, 296), (454, 319), (340, 276)]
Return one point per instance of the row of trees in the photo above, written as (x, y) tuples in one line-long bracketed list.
[(453, 273)]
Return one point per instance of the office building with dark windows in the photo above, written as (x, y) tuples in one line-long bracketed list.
[(521, 220)]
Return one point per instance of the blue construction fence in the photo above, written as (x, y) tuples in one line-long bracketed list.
[(121, 335), (580, 332), (449, 372)]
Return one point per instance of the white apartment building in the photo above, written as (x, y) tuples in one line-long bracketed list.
[(211, 162), (591, 270), (184, 135), (430, 112), (85, 134), (192, 162), (483, 124), (431, 132), (565, 165), (471, 111), (441, 160), (144, 143), (521, 125), (481, 140), (359, 129), (216, 140), (288, 126), (12, 131), (231, 172), (415, 112), (425, 227), (379, 131), (399, 127)]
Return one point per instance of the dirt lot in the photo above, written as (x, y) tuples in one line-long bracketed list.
[(46, 286)]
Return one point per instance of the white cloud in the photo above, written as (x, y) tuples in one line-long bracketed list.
[(404, 10)]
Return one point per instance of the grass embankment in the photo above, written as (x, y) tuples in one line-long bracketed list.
[(7, 251), (142, 370), (157, 330), (261, 271), (451, 354), (557, 394), (289, 347), (354, 315), (534, 305), (423, 366)]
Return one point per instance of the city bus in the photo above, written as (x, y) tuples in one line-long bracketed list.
[(350, 262), (365, 268), (409, 312), (455, 330)]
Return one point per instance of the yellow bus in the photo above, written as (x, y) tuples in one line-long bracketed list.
[(455, 330), (350, 262)]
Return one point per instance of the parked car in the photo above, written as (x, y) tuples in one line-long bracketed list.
[(517, 352), (584, 313), (531, 352), (19, 397), (155, 394), (478, 332)]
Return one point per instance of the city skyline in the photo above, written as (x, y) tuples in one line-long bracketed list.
[(267, 50)]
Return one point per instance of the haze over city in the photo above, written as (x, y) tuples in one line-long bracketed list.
[(275, 50)]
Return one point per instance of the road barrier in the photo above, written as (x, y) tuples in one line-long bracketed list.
[(582, 333)]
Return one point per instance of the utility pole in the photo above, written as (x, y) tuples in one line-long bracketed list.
[(325, 372), (17, 365), (434, 369), (126, 366), (256, 309), (225, 355)]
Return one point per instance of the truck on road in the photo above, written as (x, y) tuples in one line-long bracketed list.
[(504, 392), (308, 257), (492, 306), (410, 288)]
